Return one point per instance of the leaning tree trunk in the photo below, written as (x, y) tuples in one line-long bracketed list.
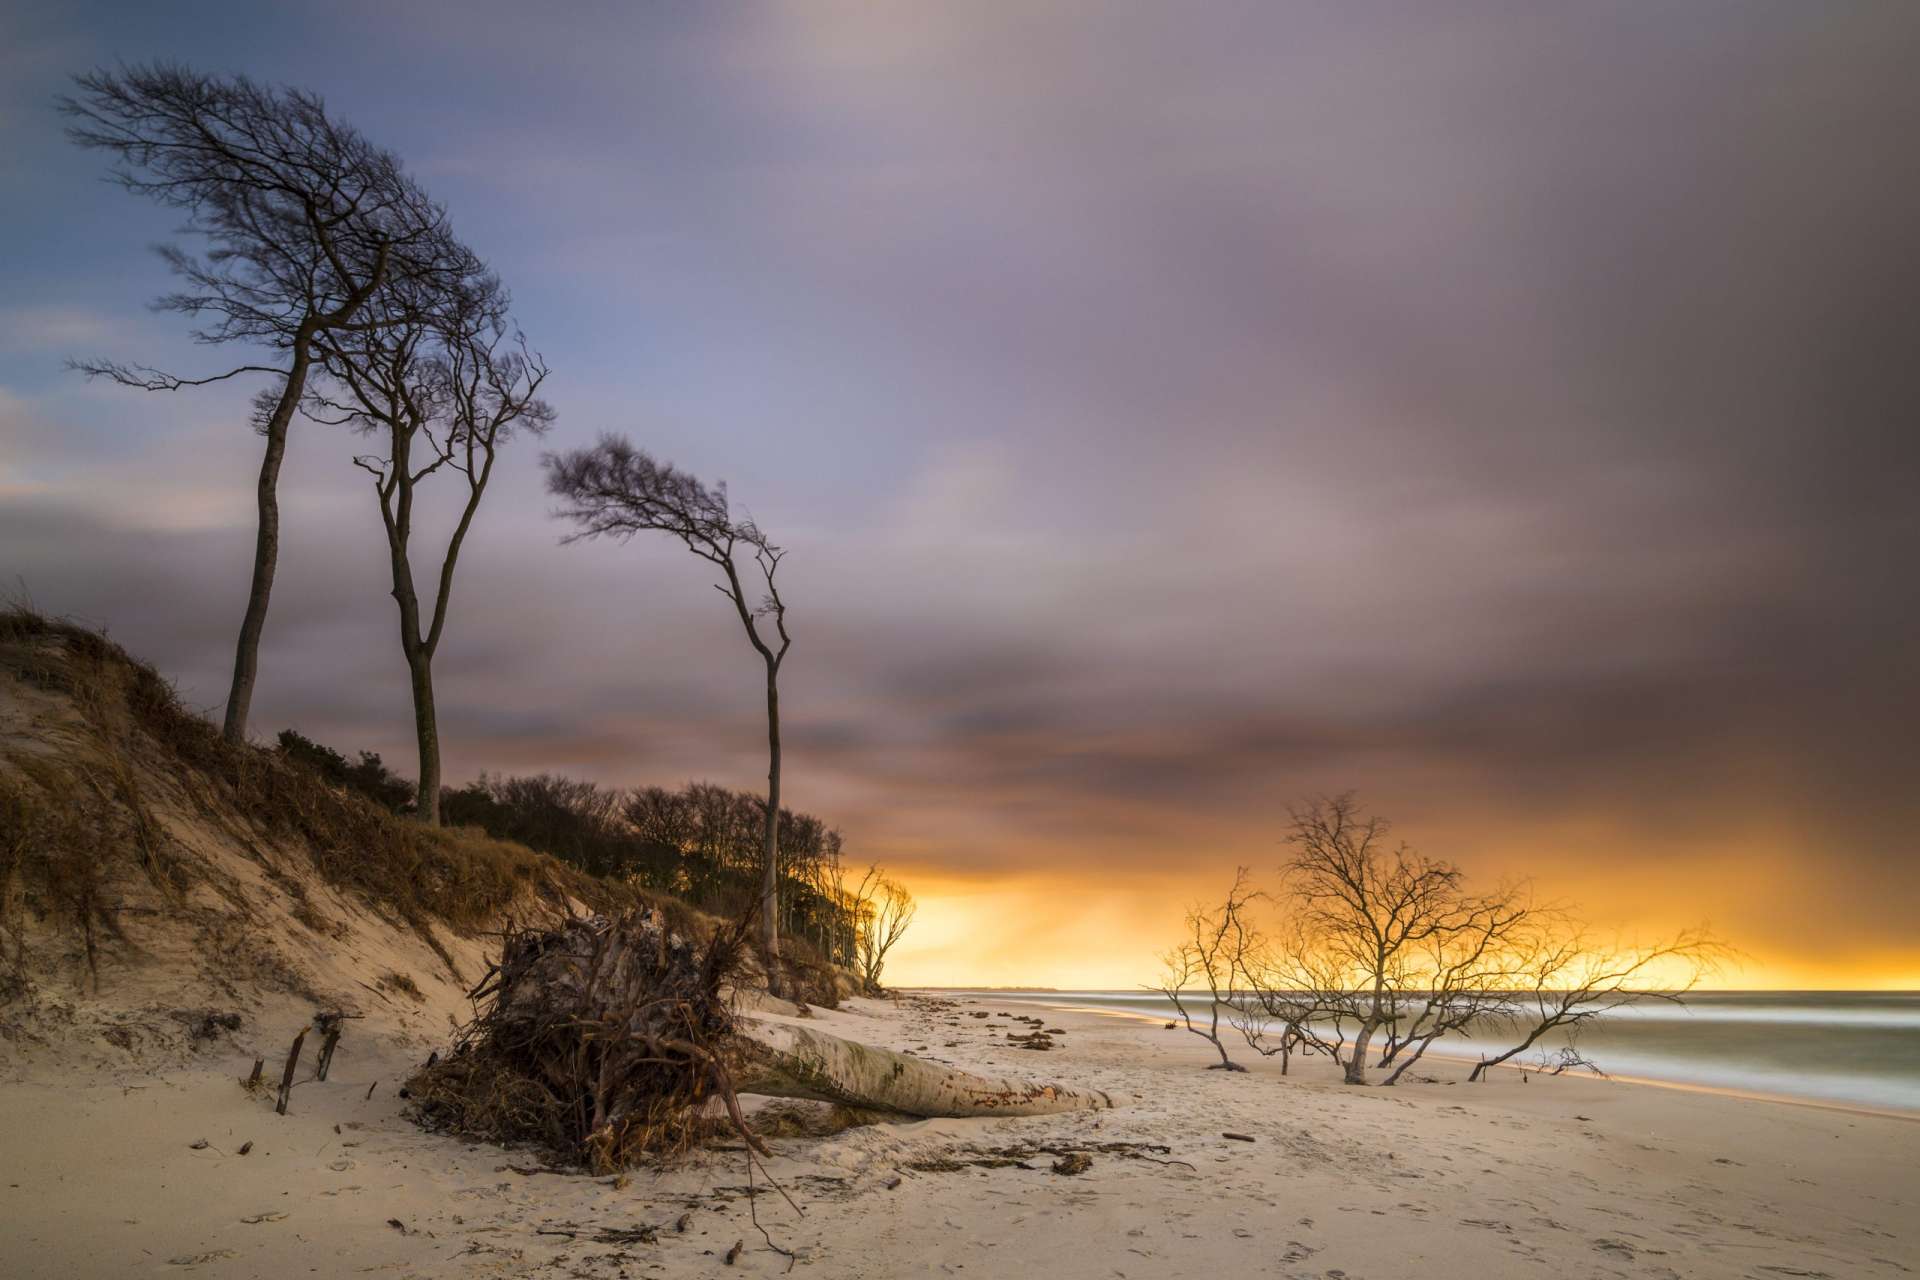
[(266, 546), (783, 1061), (1480, 1069)]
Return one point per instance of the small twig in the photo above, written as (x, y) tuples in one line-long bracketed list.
[(753, 1211)]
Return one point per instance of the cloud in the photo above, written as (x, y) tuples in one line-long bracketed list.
[(1505, 415)]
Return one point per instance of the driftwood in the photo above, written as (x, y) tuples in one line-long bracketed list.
[(604, 1038), (783, 1061)]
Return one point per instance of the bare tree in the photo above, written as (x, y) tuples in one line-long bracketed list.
[(446, 387), (1367, 908), (615, 490), (1291, 997), (1461, 977), (305, 221), (1567, 979), (1205, 962), (882, 911)]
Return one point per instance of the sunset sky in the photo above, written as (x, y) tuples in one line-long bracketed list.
[(1505, 410)]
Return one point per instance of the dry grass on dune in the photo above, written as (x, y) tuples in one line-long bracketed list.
[(73, 807)]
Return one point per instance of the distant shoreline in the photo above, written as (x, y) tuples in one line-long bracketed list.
[(1455, 1054)]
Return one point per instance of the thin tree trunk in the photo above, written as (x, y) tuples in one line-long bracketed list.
[(770, 875), (1481, 1069), (426, 727), (266, 546), (1413, 1058)]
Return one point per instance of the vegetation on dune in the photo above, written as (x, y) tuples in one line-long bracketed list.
[(701, 844), (69, 817)]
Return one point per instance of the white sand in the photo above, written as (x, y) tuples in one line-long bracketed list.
[(1563, 1177)]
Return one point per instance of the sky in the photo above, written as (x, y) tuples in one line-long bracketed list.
[(1171, 412)]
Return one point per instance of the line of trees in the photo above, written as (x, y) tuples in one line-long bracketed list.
[(320, 250), (1369, 952)]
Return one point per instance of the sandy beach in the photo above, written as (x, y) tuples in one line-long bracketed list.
[(1566, 1177)]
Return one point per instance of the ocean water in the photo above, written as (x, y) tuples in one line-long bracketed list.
[(1855, 1048)]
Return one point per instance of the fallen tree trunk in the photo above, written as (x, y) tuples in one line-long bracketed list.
[(605, 1039), (783, 1061)]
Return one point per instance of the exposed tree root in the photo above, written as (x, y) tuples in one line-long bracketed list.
[(602, 1040)]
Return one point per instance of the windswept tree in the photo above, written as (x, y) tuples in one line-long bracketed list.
[(443, 385), (615, 490), (304, 221), (882, 911)]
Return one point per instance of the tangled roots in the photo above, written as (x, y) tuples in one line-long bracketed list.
[(599, 1040)]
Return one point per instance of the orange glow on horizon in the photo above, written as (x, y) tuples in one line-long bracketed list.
[(1074, 935)]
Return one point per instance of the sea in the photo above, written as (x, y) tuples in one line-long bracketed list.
[(1847, 1048)]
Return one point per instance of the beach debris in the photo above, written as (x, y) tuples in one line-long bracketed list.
[(328, 1025), (399, 1226), (681, 1223), (1020, 1155), (370, 1089), (733, 1254), (199, 1144), (1037, 1040), (598, 1039), (246, 1147), (199, 1259), (1238, 1137), (643, 1234), (253, 1081), (602, 1037), (286, 1077), (255, 1219)]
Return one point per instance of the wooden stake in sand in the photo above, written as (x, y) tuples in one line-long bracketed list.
[(329, 1026), (286, 1077)]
